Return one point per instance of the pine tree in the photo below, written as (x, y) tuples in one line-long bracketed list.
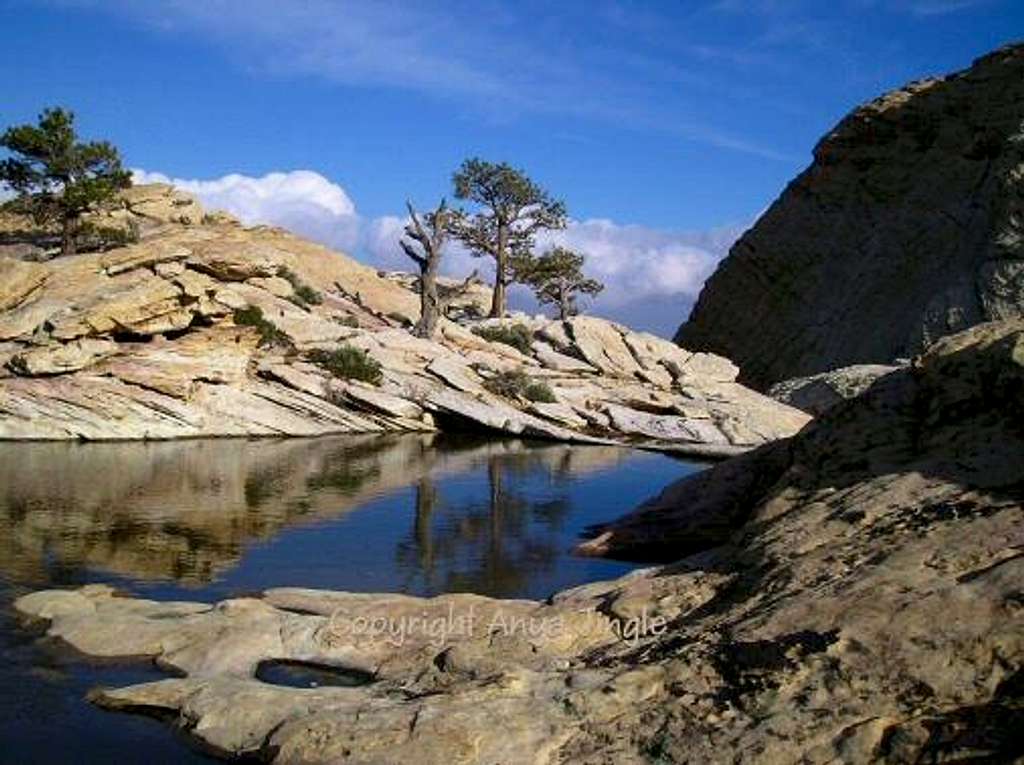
[(557, 278), (511, 209), (57, 178)]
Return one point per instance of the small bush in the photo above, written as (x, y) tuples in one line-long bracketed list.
[(518, 336), (92, 236), (252, 316), (517, 384), (349, 321), (349, 363), (304, 294), (508, 384), (540, 393)]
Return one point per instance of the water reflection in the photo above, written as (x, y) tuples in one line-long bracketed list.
[(462, 514), (205, 520)]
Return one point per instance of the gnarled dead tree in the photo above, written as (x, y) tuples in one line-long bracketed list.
[(424, 246)]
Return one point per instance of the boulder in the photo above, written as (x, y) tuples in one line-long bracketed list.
[(162, 203), (61, 358), (600, 343), (18, 281)]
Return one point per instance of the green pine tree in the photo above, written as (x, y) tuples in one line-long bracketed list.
[(56, 177)]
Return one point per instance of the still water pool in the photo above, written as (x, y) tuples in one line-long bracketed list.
[(206, 520)]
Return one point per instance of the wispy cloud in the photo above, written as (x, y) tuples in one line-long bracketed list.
[(498, 59), (944, 7)]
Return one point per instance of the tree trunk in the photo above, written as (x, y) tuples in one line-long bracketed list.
[(563, 306), (498, 299), (426, 500), (430, 303), (68, 245), (500, 273)]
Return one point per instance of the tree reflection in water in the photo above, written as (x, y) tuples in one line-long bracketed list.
[(490, 546), (419, 513)]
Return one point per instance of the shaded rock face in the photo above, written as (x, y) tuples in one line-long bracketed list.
[(906, 228), (151, 341), (868, 609)]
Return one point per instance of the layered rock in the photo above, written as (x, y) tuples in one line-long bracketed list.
[(158, 340), (906, 228), (868, 609)]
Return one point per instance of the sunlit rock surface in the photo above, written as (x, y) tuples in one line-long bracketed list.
[(141, 342)]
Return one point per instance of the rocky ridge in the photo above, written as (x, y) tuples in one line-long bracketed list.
[(143, 342), (907, 227), (867, 608)]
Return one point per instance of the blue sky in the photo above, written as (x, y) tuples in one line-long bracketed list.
[(666, 126)]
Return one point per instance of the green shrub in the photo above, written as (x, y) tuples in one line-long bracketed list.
[(349, 321), (304, 294), (518, 336), (540, 393), (349, 363), (252, 316), (93, 236), (516, 383)]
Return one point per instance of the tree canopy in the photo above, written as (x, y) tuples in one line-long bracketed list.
[(56, 177), (510, 210), (557, 278)]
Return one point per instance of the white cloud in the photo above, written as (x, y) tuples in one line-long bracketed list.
[(300, 200), (651, 276), (636, 262)]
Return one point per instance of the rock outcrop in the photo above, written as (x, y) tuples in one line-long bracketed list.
[(908, 226), (866, 609), (206, 328), (819, 393)]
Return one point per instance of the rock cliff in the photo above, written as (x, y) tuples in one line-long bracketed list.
[(867, 609), (908, 226), (206, 328)]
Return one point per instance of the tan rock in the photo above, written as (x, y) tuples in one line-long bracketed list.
[(219, 355), (181, 281), (275, 285), (61, 358), (19, 281), (552, 359), (601, 344), (563, 414), (162, 203), (140, 303), (927, 243)]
